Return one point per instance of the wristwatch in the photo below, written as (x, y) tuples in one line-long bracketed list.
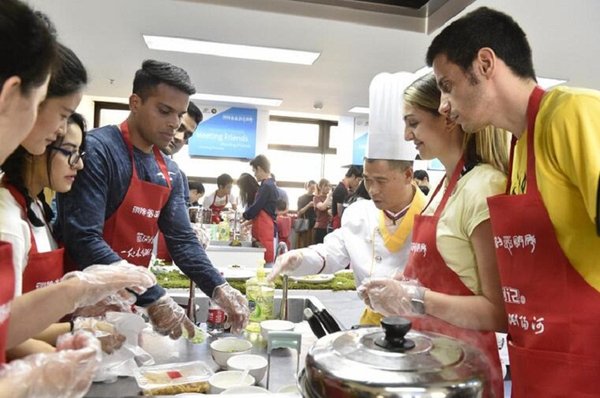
[(417, 300)]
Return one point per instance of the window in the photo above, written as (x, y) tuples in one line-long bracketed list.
[(301, 150)]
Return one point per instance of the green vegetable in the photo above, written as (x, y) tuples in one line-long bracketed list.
[(199, 335), (345, 281)]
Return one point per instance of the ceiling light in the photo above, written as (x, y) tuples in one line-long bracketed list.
[(238, 100), (359, 109), (230, 50)]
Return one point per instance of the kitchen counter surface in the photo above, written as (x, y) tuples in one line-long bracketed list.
[(345, 306)]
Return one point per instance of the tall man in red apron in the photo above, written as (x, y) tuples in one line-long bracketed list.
[(545, 237), (262, 212), (129, 191)]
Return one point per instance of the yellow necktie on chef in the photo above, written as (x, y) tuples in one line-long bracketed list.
[(394, 242)]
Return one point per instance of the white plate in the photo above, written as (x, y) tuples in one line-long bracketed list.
[(238, 272), (319, 278)]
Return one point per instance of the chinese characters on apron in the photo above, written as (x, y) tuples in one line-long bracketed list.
[(553, 313), (131, 229)]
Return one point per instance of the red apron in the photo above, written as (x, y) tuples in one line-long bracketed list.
[(7, 290), (427, 265), (216, 210), (42, 269), (130, 231), (263, 230), (553, 314)]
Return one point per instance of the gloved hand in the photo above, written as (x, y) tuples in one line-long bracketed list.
[(99, 281), (120, 301), (286, 263), (65, 373), (393, 297), (168, 318), (201, 234), (110, 338), (234, 304)]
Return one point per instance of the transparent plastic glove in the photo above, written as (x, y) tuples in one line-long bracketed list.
[(286, 263), (201, 234), (393, 297), (66, 373), (235, 306), (169, 319), (363, 293), (110, 339), (100, 281), (120, 301)]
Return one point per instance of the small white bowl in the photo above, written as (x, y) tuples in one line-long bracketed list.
[(255, 363), (222, 349), (289, 389), (249, 390), (221, 381), (275, 325)]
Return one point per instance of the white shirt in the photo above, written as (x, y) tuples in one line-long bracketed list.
[(359, 243), (15, 230), (219, 201)]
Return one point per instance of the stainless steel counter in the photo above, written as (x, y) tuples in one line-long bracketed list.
[(345, 306)]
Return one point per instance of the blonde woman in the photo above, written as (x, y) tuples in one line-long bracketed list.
[(451, 283)]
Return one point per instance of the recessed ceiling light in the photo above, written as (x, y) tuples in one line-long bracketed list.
[(178, 44), (359, 109), (238, 100)]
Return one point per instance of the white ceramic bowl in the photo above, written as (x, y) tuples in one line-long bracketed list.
[(222, 349), (221, 381), (255, 363), (249, 390), (289, 389), (275, 325)]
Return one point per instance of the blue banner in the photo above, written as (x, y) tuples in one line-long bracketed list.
[(228, 134)]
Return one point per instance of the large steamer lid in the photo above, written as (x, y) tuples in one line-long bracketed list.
[(393, 356)]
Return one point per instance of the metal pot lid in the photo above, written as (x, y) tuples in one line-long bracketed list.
[(395, 348)]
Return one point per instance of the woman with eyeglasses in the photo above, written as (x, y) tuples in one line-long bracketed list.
[(37, 258)]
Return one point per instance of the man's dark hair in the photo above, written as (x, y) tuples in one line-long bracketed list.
[(354, 171), (281, 205), (262, 162), (28, 47), (197, 185), (420, 175), (462, 39), (195, 112), (154, 73), (69, 75), (224, 180)]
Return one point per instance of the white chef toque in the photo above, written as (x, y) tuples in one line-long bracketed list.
[(386, 123)]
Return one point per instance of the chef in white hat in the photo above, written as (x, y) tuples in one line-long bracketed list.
[(375, 235)]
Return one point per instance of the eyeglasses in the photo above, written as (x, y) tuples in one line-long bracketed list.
[(72, 156)]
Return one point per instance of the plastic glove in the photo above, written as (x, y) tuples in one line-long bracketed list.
[(110, 339), (100, 281), (121, 301), (393, 297), (201, 234), (168, 318), (235, 306), (286, 263), (66, 373)]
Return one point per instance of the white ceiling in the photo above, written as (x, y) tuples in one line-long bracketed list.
[(107, 35)]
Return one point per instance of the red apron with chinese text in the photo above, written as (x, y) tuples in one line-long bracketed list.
[(216, 210), (427, 265), (130, 231), (336, 221), (42, 268), (553, 313), (7, 290), (263, 230)]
